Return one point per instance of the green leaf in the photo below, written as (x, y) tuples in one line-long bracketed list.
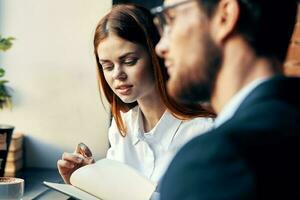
[(2, 72), (2, 82), (6, 43), (5, 97)]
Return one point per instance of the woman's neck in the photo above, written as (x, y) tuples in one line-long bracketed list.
[(152, 108)]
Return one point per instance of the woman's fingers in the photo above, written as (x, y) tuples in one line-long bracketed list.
[(65, 169), (83, 150), (71, 157), (88, 161), (65, 164), (70, 162)]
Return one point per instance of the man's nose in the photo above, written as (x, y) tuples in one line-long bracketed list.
[(162, 47)]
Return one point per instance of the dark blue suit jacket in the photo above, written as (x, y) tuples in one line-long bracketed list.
[(254, 155)]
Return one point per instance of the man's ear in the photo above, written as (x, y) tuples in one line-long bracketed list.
[(224, 20)]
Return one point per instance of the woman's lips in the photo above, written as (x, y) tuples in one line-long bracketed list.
[(169, 70), (169, 67), (124, 89)]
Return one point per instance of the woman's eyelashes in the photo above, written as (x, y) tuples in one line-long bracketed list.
[(130, 61), (109, 66)]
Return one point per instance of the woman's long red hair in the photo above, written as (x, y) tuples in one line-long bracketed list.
[(135, 24)]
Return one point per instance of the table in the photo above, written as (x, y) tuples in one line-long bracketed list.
[(34, 188)]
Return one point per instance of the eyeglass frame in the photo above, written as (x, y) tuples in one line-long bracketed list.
[(160, 14)]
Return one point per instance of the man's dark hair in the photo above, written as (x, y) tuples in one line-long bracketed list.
[(267, 25)]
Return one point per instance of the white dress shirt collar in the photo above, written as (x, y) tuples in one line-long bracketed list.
[(231, 107), (163, 132)]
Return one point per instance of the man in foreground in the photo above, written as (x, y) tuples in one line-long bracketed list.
[(231, 52)]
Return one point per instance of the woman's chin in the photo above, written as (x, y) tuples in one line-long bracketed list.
[(127, 99)]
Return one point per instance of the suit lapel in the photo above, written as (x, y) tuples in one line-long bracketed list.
[(278, 87)]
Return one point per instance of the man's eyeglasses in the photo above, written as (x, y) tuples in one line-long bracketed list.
[(162, 18)]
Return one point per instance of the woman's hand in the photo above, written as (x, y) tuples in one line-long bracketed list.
[(72, 161)]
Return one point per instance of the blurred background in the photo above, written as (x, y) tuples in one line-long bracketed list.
[(52, 75)]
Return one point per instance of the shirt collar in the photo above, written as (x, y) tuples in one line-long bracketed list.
[(166, 129), (163, 132), (231, 107)]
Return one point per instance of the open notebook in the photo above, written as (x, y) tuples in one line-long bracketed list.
[(108, 180)]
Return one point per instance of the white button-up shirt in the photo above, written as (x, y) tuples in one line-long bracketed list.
[(150, 153)]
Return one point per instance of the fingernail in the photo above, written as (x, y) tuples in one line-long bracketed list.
[(79, 159)]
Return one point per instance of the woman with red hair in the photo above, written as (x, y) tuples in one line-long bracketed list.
[(148, 127)]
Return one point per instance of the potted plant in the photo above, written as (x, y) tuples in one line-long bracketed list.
[(5, 102), (5, 98)]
